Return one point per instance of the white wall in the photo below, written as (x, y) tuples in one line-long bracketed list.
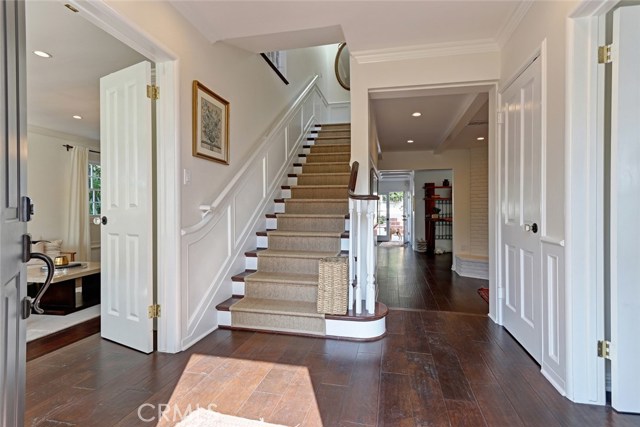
[(48, 184), (256, 94), (443, 70)]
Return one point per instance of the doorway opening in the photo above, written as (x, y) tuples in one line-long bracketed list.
[(56, 129)]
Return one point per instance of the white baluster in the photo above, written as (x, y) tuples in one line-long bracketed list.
[(352, 251), (371, 259), (360, 254)]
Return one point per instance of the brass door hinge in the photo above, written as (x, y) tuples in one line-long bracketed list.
[(154, 311), (604, 349), (604, 54), (153, 92)]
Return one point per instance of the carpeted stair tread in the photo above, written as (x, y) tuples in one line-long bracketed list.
[(295, 254), (294, 278), (317, 186), (286, 215), (288, 233), (315, 200), (278, 307)]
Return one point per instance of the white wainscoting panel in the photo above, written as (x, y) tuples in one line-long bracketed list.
[(340, 112), (554, 319), (213, 249)]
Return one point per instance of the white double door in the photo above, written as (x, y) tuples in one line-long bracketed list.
[(521, 146)]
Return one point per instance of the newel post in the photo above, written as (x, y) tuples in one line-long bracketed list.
[(360, 254), (352, 251), (371, 257)]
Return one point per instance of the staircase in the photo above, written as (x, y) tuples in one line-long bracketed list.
[(309, 224)]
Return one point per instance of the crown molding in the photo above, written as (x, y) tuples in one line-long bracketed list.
[(426, 51), (509, 27), (80, 140)]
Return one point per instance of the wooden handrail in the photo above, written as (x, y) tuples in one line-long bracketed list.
[(352, 185)]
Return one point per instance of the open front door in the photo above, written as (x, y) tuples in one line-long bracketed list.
[(625, 205), (521, 146), (13, 185), (127, 207)]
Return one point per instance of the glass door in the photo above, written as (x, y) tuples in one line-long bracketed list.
[(382, 228)]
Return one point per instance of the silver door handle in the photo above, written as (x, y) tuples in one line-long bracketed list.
[(531, 227)]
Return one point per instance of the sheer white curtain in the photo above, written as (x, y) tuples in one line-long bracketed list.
[(79, 239)]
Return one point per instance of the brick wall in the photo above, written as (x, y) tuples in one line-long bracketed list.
[(479, 201)]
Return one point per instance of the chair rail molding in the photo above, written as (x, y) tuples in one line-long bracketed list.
[(213, 249)]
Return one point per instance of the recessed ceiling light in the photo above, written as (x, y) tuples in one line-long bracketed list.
[(480, 138), (409, 141), (77, 117), (417, 114), (42, 54)]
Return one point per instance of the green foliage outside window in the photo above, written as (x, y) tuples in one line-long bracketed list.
[(95, 197)]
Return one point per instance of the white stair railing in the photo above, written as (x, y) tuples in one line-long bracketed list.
[(362, 254)]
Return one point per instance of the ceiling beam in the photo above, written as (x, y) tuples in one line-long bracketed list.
[(470, 107)]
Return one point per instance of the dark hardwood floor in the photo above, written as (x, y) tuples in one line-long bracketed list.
[(413, 280), (435, 367)]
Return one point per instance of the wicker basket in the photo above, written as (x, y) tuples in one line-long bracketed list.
[(333, 285)]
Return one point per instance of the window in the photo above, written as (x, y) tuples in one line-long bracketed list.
[(95, 198)]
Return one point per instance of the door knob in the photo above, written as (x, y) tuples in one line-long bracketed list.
[(531, 227), (104, 220)]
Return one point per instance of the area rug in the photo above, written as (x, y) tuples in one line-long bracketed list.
[(391, 244), (484, 294), (205, 418)]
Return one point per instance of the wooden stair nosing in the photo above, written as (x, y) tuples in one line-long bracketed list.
[(240, 276)]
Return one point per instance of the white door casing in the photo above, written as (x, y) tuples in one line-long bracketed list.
[(625, 205), (521, 144), (13, 185), (127, 206)]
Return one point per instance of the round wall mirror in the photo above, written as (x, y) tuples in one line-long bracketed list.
[(343, 73)]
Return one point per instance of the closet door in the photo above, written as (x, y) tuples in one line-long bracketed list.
[(625, 205)]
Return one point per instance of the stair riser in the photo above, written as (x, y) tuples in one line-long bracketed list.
[(287, 265), (335, 127), (319, 193), (263, 242), (293, 291), (330, 149), (274, 322), (318, 224), (318, 142), (334, 132), (308, 224), (294, 207), (326, 158), (321, 180), (337, 168), (295, 243)]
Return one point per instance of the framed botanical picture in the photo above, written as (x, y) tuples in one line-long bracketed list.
[(210, 125)]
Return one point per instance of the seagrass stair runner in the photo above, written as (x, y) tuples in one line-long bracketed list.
[(282, 294)]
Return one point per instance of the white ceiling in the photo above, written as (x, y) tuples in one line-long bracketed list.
[(366, 25), (69, 82)]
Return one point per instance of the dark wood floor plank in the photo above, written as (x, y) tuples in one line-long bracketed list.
[(495, 406), (429, 408), (361, 397), (465, 414), (453, 381), (395, 408)]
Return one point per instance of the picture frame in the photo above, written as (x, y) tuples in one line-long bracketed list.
[(210, 125)]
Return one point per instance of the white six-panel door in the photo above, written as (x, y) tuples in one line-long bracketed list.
[(127, 206), (13, 185), (625, 206), (520, 205)]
